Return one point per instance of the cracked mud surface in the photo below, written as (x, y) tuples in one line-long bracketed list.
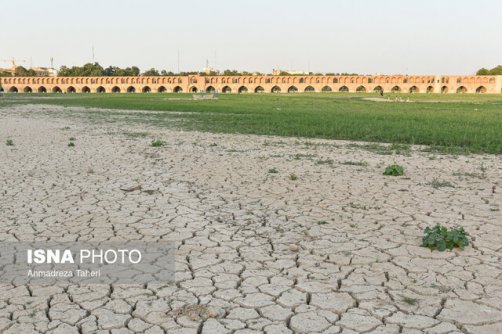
[(334, 251)]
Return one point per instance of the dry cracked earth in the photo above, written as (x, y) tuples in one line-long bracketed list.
[(336, 250)]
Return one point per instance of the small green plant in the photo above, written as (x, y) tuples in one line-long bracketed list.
[(72, 138), (9, 142), (394, 170), (157, 143), (273, 170), (441, 238), (436, 184), (293, 177), (71, 144), (322, 222), (213, 145)]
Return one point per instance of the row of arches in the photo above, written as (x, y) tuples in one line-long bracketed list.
[(250, 80), (359, 89), (276, 80), (86, 89), (310, 89), (241, 90)]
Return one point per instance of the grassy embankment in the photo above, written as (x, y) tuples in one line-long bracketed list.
[(456, 123)]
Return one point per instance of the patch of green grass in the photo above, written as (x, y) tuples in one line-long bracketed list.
[(273, 170), (325, 162), (373, 147), (136, 134), (71, 144), (293, 177), (322, 222), (410, 301), (400, 149), (9, 142), (453, 124), (468, 174), (354, 163), (157, 143), (357, 206), (394, 170), (72, 139), (436, 184), (439, 237), (454, 150), (299, 156)]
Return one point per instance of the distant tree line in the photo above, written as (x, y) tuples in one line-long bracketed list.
[(96, 70), (494, 71), (19, 72)]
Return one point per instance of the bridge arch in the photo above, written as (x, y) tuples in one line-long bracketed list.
[(378, 89), (116, 89), (56, 89), (430, 90), (71, 89), (396, 89), (259, 89), (444, 90), (178, 89), (344, 89), (86, 89), (361, 89), (481, 90), (243, 89), (414, 89), (461, 90), (13, 89), (210, 89), (309, 89), (161, 89), (276, 89), (27, 89), (292, 89), (226, 90), (42, 89), (193, 89), (131, 89), (146, 89), (326, 89), (100, 89)]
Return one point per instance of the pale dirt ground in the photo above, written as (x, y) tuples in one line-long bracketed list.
[(335, 251)]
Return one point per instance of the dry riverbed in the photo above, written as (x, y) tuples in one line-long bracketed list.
[(273, 235)]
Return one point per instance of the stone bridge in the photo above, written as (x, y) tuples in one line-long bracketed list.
[(255, 84)]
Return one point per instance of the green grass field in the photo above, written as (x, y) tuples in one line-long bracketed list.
[(449, 123)]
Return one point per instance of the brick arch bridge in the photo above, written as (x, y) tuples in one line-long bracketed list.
[(255, 84)]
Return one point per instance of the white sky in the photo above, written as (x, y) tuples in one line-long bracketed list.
[(362, 36)]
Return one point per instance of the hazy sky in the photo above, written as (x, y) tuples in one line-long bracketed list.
[(363, 36)]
